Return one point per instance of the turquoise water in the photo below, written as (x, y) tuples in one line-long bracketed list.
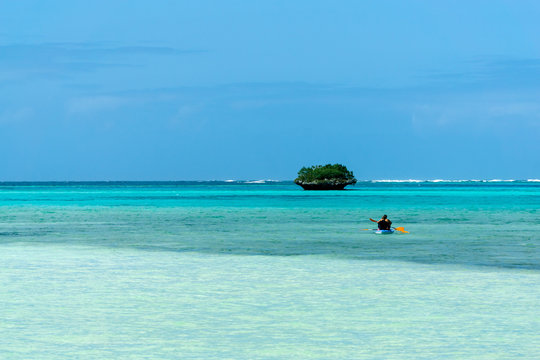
[(268, 271)]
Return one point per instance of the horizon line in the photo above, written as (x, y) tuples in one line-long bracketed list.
[(259, 181)]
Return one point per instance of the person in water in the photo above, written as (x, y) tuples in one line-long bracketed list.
[(384, 223)]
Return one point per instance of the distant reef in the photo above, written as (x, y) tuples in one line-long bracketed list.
[(325, 177)]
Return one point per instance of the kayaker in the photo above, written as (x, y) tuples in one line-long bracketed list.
[(384, 223)]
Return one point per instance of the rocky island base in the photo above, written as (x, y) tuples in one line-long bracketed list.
[(324, 185)]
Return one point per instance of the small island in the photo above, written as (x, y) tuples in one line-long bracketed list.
[(327, 177)]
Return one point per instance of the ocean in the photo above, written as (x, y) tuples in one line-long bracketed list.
[(265, 270)]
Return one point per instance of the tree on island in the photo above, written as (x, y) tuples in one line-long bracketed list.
[(327, 177)]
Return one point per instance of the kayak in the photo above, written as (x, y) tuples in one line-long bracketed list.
[(383, 232)]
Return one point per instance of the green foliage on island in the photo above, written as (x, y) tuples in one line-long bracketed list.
[(322, 173)]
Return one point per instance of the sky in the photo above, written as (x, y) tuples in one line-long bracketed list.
[(217, 90)]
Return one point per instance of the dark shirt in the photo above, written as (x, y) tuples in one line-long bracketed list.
[(384, 224)]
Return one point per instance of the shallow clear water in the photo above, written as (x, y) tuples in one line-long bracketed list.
[(245, 271)]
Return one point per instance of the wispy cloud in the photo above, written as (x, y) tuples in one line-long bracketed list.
[(59, 59), (16, 115), (431, 108), (474, 111), (96, 103), (489, 71)]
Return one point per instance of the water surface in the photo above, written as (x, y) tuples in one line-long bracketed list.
[(268, 271)]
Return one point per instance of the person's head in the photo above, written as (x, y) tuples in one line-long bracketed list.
[(384, 217)]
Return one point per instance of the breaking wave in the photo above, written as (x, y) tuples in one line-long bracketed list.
[(447, 180)]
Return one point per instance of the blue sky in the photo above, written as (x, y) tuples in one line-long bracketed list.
[(199, 90)]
